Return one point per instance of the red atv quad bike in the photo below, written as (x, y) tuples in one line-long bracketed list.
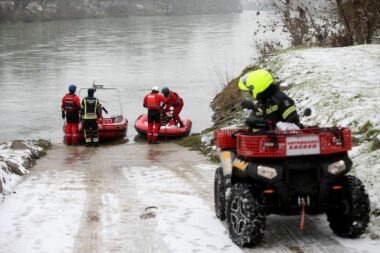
[(287, 173)]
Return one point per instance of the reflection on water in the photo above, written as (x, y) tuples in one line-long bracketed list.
[(38, 61), (74, 154)]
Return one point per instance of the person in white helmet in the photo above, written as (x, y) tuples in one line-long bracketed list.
[(152, 102)]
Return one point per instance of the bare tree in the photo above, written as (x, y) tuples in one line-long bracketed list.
[(20, 5), (360, 19), (345, 22)]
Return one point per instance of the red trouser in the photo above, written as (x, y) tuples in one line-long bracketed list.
[(71, 133), (153, 129), (154, 124), (176, 111)]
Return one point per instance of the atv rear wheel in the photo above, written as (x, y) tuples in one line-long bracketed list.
[(220, 194), (246, 218), (349, 215)]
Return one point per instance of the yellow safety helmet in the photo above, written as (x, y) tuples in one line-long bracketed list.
[(256, 82)]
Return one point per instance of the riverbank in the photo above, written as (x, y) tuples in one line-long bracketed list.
[(31, 10), (340, 85), (16, 160)]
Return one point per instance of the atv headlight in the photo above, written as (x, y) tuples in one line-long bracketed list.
[(267, 172), (337, 167)]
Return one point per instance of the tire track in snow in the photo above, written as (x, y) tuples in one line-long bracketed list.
[(116, 225)]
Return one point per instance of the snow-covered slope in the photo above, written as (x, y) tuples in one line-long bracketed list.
[(342, 87), (16, 158)]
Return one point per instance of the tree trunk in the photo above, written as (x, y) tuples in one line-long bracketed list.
[(345, 22)]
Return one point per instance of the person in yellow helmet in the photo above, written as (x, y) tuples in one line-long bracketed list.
[(272, 104)]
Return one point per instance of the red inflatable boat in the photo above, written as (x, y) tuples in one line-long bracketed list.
[(167, 130), (109, 127)]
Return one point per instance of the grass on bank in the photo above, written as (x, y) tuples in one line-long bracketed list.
[(194, 142)]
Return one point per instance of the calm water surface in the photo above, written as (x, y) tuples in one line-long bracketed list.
[(187, 54)]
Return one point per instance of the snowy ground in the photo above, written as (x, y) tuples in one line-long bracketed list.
[(97, 200), (138, 198), (342, 87)]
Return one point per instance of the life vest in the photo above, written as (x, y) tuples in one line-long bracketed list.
[(90, 108), (153, 101), (69, 103)]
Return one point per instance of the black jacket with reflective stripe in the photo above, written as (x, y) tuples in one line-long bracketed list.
[(274, 105), (90, 107)]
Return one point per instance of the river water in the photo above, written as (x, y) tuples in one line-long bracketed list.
[(192, 55)]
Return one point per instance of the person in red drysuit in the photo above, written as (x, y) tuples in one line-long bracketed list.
[(153, 101), (70, 110), (175, 101)]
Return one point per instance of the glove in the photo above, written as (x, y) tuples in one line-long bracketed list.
[(63, 115)]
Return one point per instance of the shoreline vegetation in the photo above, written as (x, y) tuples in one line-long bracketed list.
[(18, 11)]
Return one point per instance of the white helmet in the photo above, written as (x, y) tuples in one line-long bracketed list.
[(156, 88)]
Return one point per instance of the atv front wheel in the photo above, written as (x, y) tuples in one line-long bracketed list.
[(246, 218), (220, 194), (348, 215)]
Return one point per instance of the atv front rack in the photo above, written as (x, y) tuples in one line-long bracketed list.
[(275, 143)]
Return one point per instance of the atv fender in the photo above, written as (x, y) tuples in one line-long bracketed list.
[(226, 158)]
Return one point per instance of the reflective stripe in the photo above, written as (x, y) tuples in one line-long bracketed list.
[(155, 134), (85, 108), (288, 111), (91, 115), (272, 109), (259, 112)]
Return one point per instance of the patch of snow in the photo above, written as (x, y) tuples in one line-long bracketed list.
[(206, 167), (8, 179), (46, 206), (20, 158), (207, 138)]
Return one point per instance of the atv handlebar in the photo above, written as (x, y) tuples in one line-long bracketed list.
[(249, 104)]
